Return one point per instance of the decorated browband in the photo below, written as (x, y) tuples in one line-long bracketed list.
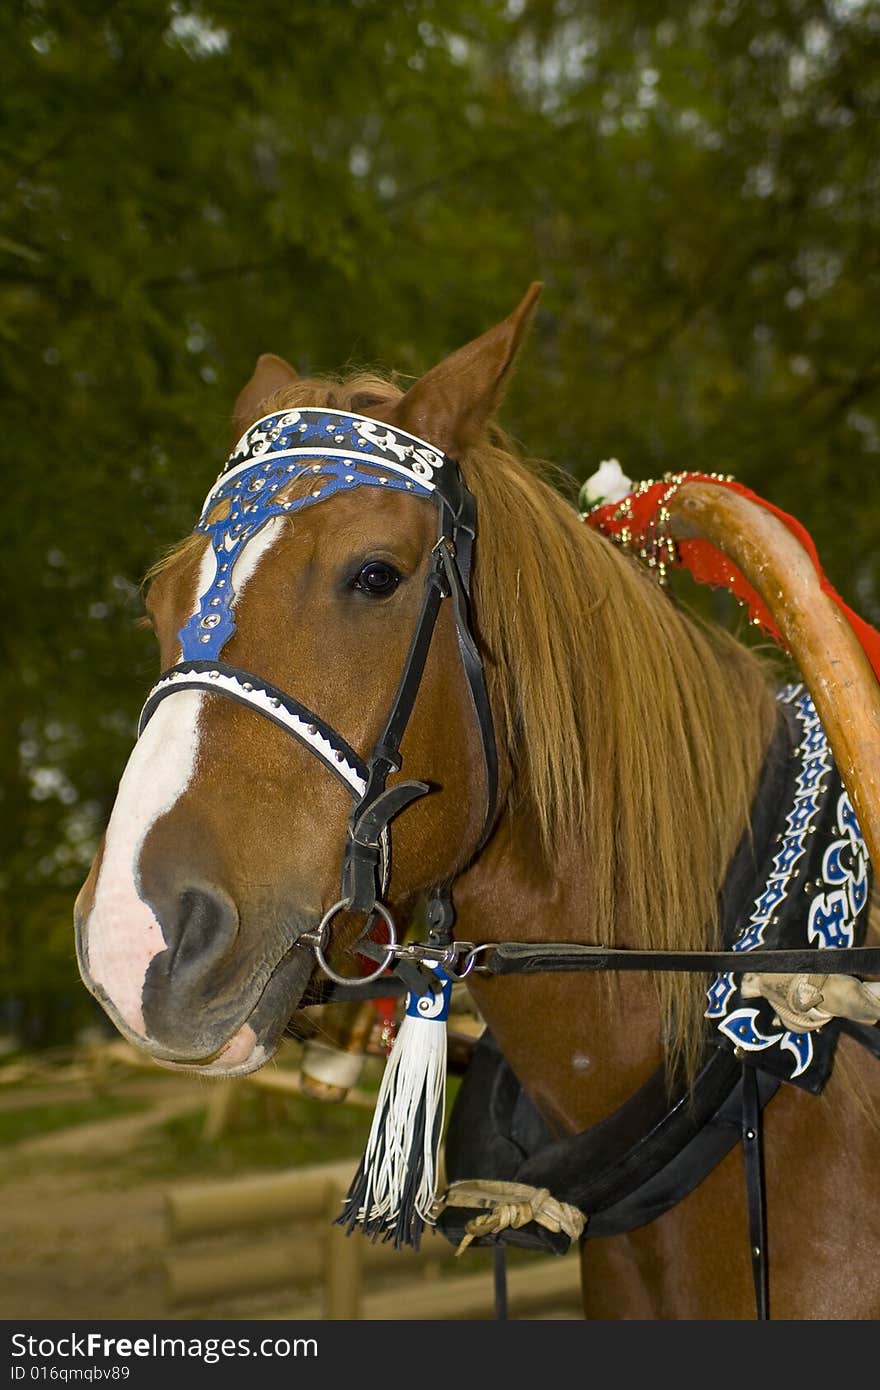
[(333, 451)]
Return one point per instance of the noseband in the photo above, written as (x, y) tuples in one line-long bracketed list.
[(332, 452)]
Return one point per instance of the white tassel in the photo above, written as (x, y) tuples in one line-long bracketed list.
[(394, 1190)]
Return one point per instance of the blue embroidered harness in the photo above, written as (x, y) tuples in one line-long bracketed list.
[(331, 452)]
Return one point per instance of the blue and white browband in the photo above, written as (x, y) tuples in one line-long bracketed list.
[(328, 448)]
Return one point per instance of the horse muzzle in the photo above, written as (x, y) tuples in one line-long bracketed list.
[(200, 1003)]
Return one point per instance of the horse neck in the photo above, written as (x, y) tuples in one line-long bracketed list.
[(582, 1043)]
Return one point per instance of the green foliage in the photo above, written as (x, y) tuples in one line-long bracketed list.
[(34, 1120), (186, 185), (304, 1132)]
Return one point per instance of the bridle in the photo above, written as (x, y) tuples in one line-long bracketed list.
[(336, 451)]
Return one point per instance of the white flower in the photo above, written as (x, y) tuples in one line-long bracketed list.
[(608, 484)]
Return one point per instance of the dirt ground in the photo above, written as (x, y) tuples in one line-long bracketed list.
[(83, 1229), (80, 1242), (83, 1200)]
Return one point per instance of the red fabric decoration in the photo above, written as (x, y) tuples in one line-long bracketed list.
[(709, 566)]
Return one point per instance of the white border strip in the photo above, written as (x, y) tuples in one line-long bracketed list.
[(308, 451), (263, 702)]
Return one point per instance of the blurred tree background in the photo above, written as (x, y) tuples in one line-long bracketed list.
[(184, 185)]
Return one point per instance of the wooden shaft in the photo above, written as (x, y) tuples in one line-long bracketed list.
[(833, 664)]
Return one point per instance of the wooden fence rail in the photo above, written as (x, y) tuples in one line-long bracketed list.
[(323, 1273)]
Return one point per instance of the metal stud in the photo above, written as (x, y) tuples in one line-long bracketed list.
[(317, 492), (349, 477), (313, 728), (246, 685), (316, 467), (274, 701), (210, 620)]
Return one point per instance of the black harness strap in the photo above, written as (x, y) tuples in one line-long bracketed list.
[(448, 576), (526, 958), (372, 814), (456, 561), (499, 1278), (753, 1157)]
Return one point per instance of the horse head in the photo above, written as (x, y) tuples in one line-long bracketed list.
[(225, 842)]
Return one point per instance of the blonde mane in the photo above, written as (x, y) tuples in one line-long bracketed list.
[(632, 731)]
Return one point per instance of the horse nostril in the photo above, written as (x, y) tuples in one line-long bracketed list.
[(202, 929)]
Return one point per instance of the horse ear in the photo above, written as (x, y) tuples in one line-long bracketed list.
[(270, 374), (451, 403)]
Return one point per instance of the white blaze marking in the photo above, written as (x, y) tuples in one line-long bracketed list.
[(253, 552), (122, 934)]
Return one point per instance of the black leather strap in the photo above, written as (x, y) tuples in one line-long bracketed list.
[(499, 1273), (449, 575), (526, 958), (476, 678), (753, 1155), (361, 886), (385, 756)]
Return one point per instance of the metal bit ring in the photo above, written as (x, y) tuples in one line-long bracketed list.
[(320, 940)]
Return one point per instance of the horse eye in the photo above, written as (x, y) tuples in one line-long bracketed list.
[(378, 579)]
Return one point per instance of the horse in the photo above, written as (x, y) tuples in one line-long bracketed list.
[(629, 741)]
